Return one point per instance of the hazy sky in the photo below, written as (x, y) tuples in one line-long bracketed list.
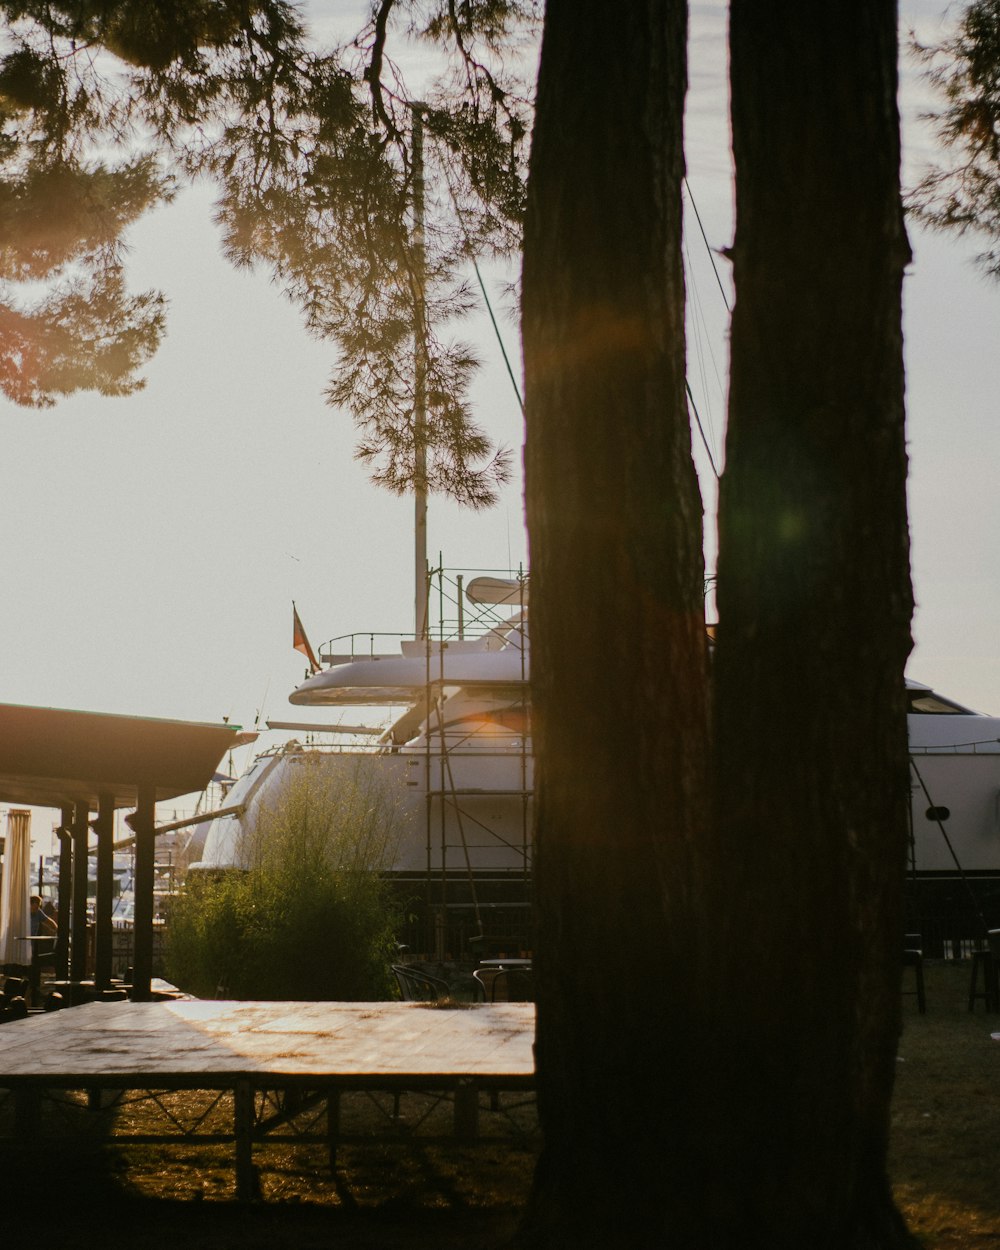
[(152, 546)]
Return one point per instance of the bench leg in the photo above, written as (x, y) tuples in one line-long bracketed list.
[(332, 1126), (466, 1110), (243, 1132), (27, 1111)]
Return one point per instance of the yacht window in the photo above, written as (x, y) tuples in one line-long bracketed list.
[(926, 701), (513, 719)]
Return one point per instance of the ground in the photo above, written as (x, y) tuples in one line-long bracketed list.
[(84, 1192)]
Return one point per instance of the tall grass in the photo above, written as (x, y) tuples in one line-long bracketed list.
[(312, 917)]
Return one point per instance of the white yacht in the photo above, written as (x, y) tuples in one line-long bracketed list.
[(954, 860), (455, 747), (454, 751)]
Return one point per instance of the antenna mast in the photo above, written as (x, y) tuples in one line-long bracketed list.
[(419, 379)]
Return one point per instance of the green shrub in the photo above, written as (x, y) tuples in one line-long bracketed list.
[(312, 918)]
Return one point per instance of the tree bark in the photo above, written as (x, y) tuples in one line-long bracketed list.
[(619, 665), (815, 607), (718, 992)]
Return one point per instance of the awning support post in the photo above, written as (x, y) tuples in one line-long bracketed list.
[(78, 944), (104, 828), (143, 825)]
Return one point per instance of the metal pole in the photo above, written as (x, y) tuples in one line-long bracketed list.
[(419, 379), (65, 897), (143, 825)]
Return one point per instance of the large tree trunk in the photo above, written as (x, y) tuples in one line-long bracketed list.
[(718, 1000), (815, 606), (619, 654)]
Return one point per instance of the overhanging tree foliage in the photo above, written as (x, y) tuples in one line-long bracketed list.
[(67, 320), (964, 195), (320, 177), (313, 153)]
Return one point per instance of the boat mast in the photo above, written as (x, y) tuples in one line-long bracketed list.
[(419, 379)]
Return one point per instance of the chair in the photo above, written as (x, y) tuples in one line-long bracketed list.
[(506, 985), (417, 986), (913, 957), (43, 955), (987, 959), (13, 1002), (984, 961), (14, 987)]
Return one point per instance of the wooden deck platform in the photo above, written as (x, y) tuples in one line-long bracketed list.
[(310, 1051)]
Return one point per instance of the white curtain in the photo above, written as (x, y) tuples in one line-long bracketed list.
[(15, 889)]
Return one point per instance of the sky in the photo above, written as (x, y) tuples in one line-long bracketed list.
[(152, 546)]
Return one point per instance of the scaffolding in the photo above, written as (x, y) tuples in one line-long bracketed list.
[(477, 770)]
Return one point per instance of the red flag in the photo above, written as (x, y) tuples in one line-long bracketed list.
[(300, 642)]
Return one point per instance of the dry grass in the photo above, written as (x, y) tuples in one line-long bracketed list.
[(946, 1117), (427, 1195)]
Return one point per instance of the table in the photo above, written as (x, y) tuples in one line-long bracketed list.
[(252, 1048)]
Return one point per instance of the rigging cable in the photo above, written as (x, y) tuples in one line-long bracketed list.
[(496, 329), (715, 270), (701, 429), (470, 252), (708, 246)]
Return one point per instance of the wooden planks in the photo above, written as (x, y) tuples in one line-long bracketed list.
[(250, 1047), (107, 1043)]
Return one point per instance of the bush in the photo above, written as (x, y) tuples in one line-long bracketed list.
[(312, 918)]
